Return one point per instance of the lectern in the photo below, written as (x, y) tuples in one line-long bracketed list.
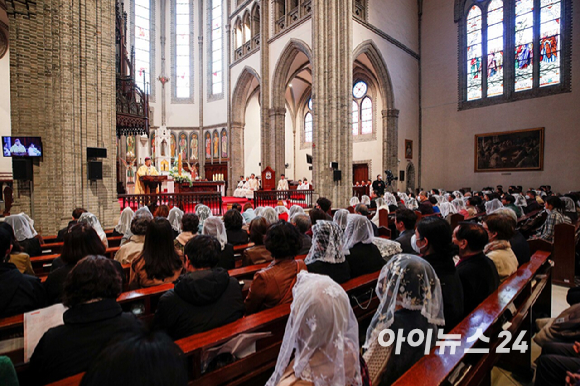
[(151, 183)]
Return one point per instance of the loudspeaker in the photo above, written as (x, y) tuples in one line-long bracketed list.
[(337, 175), (309, 159), (96, 152), (95, 170), (334, 165), (22, 169), (401, 175)]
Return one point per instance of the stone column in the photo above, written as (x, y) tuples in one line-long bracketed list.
[(332, 99), (277, 137), (65, 93), (201, 137), (391, 141), (266, 126), (236, 158)]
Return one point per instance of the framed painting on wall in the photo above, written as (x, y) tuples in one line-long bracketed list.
[(519, 150), (408, 149)]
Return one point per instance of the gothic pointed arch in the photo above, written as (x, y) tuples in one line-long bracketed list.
[(390, 115)]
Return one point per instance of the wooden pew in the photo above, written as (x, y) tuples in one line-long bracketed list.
[(52, 238), (41, 264), (563, 253), (258, 364), (56, 248), (527, 291)]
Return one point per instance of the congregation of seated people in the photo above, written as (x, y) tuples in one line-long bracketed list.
[(310, 253)]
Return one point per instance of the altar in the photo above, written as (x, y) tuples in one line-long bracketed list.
[(201, 186)]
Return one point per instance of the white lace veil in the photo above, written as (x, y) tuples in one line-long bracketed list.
[(215, 227), (295, 209), (417, 288), (174, 217), (326, 243), (358, 230), (93, 221), (446, 209), (569, 205), (458, 204), (389, 200), (366, 200), (520, 200), (492, 206), (124, 223), (23, 226), (412, 204), (340, 218), (354, 201), (322, 332), (258, 211), (270, 215), (139, 213), (203, 213), (458, 194)]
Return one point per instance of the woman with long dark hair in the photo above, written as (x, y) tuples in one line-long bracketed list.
[(158, 263), (432, 240), (80, 240)]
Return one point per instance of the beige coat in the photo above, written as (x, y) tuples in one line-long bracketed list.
[(130, 250), (503, 257)]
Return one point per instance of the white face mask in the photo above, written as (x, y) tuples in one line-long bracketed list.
[(414, 244)]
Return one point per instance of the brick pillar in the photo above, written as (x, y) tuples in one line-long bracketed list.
[(236, 157), (332, 99), (391, 142), (277, 155), (266, 126), (62, 88)]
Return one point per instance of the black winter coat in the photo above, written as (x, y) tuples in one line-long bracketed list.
[(70, 349), (479, 279), (200, 301), (19, 293), (363, 259)]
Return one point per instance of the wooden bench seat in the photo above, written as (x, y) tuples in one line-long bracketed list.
[(56, 248), (258, 364), (528, 290), (41, 264), (52, 238)]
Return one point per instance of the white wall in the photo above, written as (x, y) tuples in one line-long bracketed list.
[(5, 128), (448, 134), (398, 18), (252, 138)]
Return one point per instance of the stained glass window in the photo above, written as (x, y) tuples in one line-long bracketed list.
[(495, 48), (523, 41), (359, 90), (354, 118), (308, 127), (367, 116), (183, 49), (550, 16), (362, 110), (217, 82), (142, 43), (524, 45), (474, 76)]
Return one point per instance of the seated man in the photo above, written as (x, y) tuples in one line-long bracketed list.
[(205, 297), (405, 220), (325, 205), (559, 364), (477, 272), (425, 206), (75, 218), (532, 202), (302, 223), (20, 293)]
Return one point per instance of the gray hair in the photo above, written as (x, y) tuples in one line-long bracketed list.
[(301, 221)]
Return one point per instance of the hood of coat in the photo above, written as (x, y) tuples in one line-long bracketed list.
[(201, 288)]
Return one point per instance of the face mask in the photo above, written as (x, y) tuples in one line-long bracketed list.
[(414, 244)]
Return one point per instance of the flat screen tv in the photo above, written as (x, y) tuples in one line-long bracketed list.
[(22, 146)]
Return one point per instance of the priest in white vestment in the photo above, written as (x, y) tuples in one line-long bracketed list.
[(283, 183)]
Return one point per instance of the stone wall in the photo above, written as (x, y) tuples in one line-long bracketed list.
[(62, 88)]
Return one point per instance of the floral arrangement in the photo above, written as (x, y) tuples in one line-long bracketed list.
[(183, 178)]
